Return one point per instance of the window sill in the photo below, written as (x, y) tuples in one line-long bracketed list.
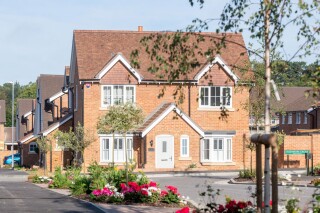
[(185, 158), (32, 153), (103, 108), (215, 109), (218, 163), (115, 163)]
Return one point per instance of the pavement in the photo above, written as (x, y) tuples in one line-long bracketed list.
[(8, 175), (29, 198), (191, 186)]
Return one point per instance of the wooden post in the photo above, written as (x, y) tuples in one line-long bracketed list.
[(259, 177), (274, 178)]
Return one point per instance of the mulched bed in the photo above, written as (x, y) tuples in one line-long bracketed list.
[(245, 179), (160, 204)]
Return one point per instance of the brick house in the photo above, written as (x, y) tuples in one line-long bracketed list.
[(43, 117), (294, 107), (172, 137)]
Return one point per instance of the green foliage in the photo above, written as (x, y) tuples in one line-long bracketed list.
[(44, 145), (76, 140), (40, 179), (20, 91), (98, 176), (192, 166), (316, 182), (280, 137), (247, 174), (292, 206), (170, 198), (81, 185), (60, 180), (316, 169), (121, 118)]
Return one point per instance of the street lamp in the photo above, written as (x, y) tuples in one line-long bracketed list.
[(12, 124)]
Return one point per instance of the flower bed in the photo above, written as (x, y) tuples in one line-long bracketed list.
[(108, 185)]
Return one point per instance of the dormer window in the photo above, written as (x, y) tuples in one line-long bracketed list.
[(215, 97), (117, 94)]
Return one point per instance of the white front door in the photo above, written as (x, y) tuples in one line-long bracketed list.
[(164, 151)]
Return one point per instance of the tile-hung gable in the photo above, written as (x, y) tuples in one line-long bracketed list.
[(101, 75)]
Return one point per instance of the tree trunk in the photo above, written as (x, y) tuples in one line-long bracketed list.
[(113, 149), (126, 155), (267, 102)]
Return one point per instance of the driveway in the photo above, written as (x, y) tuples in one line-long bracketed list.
[(192, 186), (26, 197)]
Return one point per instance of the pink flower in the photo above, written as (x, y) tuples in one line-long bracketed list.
[(134, 186), (144, 192), (96, 192), (183, 210), (152, 184), (163, 193), (173, 189)]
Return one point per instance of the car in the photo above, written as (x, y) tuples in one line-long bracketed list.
[(8, 159)]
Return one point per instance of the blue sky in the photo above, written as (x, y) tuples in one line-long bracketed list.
[(36, 35)]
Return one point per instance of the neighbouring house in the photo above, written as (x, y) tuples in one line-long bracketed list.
[(9, 137), (172, 137), (2, 123), (42, 118), (293, 114)]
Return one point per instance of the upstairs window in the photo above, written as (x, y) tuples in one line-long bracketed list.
[(215, 96), (289, 118), (298, 118), (283, 119), (117, 94), (305, 120)]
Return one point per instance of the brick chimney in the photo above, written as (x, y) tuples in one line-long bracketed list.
[(140, 28)]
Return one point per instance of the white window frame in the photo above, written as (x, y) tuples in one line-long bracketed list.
[(283, 119), (305, 118), (290, 118), (226, 149), (33, 144), (112, 139), (112, 95), (209, 97), (298, 117), (184, 137)]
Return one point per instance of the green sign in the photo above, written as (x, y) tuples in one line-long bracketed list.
[(296, 152)]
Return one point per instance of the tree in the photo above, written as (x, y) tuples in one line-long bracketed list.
[(121, 119), (44, 147), (77, 140), (176, 54)]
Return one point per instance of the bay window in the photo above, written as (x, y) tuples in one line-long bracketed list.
[(216, 149), (117, 94), (115, 150), (212, 96)]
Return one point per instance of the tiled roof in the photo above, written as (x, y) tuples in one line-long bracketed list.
[(2, 111), (94, 49), (154, 115), (295, 99), (23, 106), (49, 85)]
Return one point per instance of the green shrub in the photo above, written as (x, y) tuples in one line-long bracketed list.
[(40, 179), (292, 206), (247, 174), (316, 169), (60, 180), (171, 198), (316, 182), (81, 185)]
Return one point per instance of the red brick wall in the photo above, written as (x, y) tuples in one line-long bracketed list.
[(288, 128), (119, 74), (311, 143), (216, 76), (147, 96)]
